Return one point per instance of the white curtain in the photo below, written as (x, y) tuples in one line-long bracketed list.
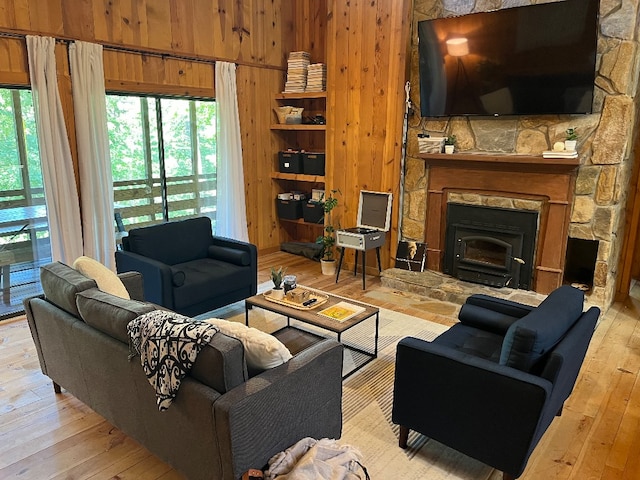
[(61, 195), (231, 215), (87, 78)]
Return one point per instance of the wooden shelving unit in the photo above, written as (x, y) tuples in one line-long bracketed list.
[(300, 96), (311, 138), (301, 127), (301, 221), (297, 177)]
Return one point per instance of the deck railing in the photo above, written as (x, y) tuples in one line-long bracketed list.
[(137, 201)]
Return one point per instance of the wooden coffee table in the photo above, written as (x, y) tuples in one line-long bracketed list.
[(297, 337)]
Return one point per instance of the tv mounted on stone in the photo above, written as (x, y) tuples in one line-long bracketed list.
[(530, 60)]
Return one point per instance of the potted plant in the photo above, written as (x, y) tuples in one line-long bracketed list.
[(277, 277), (449, 144), (328, 239), (571, 139)]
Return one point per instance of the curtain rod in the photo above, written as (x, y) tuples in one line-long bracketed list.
[(149, 52)]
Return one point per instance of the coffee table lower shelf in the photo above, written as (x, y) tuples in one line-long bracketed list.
[(303, 329)]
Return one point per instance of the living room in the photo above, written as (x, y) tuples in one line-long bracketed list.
[(169, 49)]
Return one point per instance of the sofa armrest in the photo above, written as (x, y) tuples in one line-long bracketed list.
[(157, 276), (485, 410), (134, 284), (273, 410)]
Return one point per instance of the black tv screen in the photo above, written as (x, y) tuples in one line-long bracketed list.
[(532, 60)]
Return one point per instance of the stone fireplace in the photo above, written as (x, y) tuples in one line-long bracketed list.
[(517, 182), (581, 230)]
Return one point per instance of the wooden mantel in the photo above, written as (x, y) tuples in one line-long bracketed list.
[(547, 180), (515, 163)]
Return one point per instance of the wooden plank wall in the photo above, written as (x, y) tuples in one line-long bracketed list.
[(13, 62), (255, 34), (363, 43), (244, 31), (367, 48)]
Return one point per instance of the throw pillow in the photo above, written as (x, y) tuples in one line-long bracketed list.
[(107, 280), (263, 351)]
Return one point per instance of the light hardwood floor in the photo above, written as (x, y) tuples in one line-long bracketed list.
[(43, 435)]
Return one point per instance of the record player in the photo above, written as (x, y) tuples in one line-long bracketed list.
[(374, 220)]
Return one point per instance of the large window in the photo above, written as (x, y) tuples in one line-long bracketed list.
[(24, 231), (163, 157)]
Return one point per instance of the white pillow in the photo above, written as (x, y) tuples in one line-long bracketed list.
[(107, 281), (263, 350)]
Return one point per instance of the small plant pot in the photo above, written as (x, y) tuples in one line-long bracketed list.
[(570, 145), (277, 293), (328, 267), (449, 149)]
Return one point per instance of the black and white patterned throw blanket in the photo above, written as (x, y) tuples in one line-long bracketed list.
[(168, 344)]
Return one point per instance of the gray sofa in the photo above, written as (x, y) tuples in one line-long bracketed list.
[(222, 421)]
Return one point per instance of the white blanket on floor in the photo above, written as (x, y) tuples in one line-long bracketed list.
[(311, 459)]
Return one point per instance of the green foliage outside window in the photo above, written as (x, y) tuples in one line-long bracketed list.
[(188, 131), (18, 104)]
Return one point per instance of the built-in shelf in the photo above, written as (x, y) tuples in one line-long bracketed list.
[(299, 126), (298, 177), (301, 96), (301, 221), (308, 137)]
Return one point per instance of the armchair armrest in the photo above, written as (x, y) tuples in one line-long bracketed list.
[(469, 403), (273, 410), (157, 276), (238, 245), (492, 314), (134, 284), (250, 248), (501, 305)]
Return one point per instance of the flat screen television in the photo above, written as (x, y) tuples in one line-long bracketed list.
[(531, 60)]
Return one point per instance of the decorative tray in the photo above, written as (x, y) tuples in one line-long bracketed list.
[(319, 297)]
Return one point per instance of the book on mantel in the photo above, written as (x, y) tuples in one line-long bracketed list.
[(560, 154)]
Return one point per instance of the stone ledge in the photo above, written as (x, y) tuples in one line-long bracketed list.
[(445, 288)]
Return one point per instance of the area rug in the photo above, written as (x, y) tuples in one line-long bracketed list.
[(367, 404)]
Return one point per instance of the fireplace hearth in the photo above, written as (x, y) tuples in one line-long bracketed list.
[(490, 245)]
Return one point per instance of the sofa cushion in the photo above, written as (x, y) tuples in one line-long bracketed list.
[(231, 255), (206, 278), (262, 350), (61, 283), (109, 313), (535, 334), (172, 242), (107, 280)]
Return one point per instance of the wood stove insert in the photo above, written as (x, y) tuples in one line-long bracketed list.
[(490, 245)]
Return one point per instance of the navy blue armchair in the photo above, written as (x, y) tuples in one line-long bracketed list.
[(187, 269), (491, 385)]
